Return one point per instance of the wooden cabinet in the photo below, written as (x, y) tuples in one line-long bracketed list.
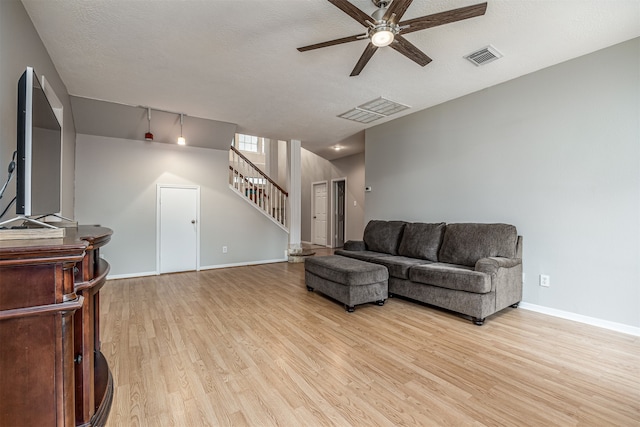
[(52, 372)]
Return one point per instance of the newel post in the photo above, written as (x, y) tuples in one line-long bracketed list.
[(294, 200)]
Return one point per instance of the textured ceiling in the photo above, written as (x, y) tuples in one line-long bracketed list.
[(236, 61)]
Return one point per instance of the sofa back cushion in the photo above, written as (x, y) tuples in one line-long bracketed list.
[(383, 236), (421, 240), (465, 244)]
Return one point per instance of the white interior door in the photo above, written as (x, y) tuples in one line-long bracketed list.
[(178, 228), (319, 228)]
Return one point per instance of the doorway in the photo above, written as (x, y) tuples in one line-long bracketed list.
[(338, 211), (319, 214), (178, 228)]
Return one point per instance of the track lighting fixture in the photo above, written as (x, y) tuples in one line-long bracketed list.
[(148, 136), (382, 32), (181, 140)]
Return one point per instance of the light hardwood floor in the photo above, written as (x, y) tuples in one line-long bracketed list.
[(250, 346)]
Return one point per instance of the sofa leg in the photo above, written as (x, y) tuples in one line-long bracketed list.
[(478, 322), (380, 302), (309, 288), (391, 295), (515, 305), (350, 308)]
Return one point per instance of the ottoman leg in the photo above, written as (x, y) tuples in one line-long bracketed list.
[(380, 302), (309, 288), (350, 308)]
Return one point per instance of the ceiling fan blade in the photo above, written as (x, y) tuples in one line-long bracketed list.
[(352, 11), (366, 56), (442, 18), (403, 46), (399, 7), (331, 43)]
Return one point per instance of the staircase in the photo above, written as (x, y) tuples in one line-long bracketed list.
[(257, 189)]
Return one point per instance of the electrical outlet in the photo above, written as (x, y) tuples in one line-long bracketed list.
[(545, 280), (224, 249)]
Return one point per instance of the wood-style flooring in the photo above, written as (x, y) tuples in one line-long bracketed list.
[(251, 346)]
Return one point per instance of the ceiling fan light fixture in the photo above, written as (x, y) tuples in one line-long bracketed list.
[(382, 36), (385, 27)]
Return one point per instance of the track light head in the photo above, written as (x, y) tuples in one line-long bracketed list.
[(181, 140), (148, 136)]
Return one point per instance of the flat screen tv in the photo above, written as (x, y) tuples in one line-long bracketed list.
[(38, 165)]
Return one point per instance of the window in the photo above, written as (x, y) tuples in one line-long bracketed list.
[(247, 143)]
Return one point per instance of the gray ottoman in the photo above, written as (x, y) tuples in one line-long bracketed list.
[(347, 280)]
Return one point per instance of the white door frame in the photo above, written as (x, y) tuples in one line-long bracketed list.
[(158, 190), (334, 208), (313, 209)]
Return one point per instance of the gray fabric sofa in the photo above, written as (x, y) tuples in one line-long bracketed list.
[(472, 269)]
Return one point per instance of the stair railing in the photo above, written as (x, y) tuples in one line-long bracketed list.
[(256, 187)]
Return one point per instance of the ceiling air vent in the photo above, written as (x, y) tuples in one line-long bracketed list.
[(484, 55), (373, 110)]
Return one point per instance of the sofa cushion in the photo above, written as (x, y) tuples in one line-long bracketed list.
[(465, 244), (346, 271), (383, 236), (369, 256), (354, 245), (421, 240), (399, 266), (450, 276)]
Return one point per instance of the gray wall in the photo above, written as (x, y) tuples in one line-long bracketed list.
[(113, 120), (116, 187), (20, 46), (555, 153), (316, 169)]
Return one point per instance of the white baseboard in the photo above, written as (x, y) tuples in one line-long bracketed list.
[(315, 244), (132, 275), (207, 267), (241, 264), (618, 327)]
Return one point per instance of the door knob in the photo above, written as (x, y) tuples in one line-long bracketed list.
[(193, 221)]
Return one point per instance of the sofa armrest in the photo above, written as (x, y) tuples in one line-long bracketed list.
[(506, 279), (492, 264), (354, 245)]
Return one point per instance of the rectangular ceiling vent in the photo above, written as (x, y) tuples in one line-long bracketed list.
[(484, 55), (373, 110)]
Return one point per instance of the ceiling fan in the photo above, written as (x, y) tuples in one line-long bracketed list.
[(384, 28)]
